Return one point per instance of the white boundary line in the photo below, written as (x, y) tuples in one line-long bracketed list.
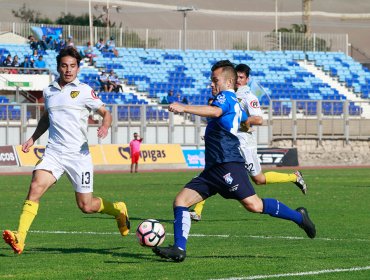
[(201, 235), (317, 272)]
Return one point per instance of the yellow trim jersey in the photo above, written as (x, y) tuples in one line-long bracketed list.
[(69, 108)]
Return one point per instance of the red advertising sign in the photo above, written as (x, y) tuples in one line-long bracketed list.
[(8, 156)]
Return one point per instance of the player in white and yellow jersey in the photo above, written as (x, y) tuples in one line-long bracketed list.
[(68, 103), (248, 142)]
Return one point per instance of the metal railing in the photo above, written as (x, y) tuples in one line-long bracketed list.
[(294, 120), (195, 39)]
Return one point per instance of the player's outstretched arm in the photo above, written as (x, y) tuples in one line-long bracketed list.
[(200, 110), (106, 123), (42, 126)]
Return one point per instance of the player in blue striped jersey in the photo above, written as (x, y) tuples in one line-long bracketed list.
[(224, 171)]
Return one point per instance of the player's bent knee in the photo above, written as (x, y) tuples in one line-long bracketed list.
[(253, 204)]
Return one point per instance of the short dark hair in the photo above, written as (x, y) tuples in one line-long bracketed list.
[(244, 68), (222, 64), (226, 66), (69, 51)]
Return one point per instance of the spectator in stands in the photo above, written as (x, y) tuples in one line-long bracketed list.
[(177, 98), (33, 42), (43, 45), (184, 100), (7, 62), (70, 42), (100, 45), (60, 43), (27, 63), (114, 83), (164, 100), (135, 151), (111, 46), (50, 43), (170, 97), (103, 79), (35, 55), (89, 53), (15, 63), (40, 63)]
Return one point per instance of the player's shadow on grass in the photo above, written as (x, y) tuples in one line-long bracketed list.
[(109, 251)]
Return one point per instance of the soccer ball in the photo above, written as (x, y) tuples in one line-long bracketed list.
[(150, 233)]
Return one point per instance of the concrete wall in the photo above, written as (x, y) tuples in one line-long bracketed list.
[(329, 152)]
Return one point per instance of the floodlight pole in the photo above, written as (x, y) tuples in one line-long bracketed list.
[(185, 10), (107, 20), (276, 16), (91, 25)]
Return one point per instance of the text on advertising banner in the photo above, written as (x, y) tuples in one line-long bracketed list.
[(8, 157), (149, 154)]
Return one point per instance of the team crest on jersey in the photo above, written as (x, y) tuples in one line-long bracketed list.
[(74, 93), (228, 179), (254, 103), (93, 94), (221, 99)]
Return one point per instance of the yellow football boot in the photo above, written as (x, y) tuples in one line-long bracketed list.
[(122, 219)]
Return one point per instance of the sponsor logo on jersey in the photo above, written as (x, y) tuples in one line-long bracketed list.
[(93, 94), (221, 99), (74, 93), (233, 188), (254, 103), (228, 179)]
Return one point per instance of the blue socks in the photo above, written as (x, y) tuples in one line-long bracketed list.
[(181, 226), (277, 209)]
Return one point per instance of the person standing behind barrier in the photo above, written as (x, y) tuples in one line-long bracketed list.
[(135, 151)]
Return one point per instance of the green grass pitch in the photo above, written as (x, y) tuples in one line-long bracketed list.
[(228, 243)]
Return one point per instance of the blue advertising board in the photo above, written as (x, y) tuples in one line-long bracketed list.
[(194, 158)]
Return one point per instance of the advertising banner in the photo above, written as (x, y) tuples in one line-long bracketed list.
[(278, 156), (194, 158), (149, 154), (8, 157), (30, 158), (267, 156), (52, 32)]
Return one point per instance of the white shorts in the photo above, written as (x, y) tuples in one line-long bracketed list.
[(78, 167), (252, 162)]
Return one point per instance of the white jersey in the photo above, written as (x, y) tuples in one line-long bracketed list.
[(251, 105), (69, 108)]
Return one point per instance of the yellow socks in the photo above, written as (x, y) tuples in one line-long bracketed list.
[(276, 177), (29, 212), (199, 207), (107, 207)]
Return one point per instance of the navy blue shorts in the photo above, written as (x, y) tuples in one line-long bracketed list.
[(230, 180)]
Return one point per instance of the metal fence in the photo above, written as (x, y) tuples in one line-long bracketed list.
[(157, 126), (195, 39)]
